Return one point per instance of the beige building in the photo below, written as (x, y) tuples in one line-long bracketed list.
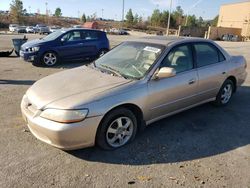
[(236, 15)]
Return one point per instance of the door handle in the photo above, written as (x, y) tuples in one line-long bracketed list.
[(192, 81)]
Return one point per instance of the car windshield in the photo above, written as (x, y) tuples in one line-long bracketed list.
[(54, 35), (130, 59)]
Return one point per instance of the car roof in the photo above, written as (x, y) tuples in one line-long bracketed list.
[(166, 40), (84, 29)]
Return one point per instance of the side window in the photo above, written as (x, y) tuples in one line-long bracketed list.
[(207, 54), (90, 35), (180, 58), (72, 36), (221, 57)]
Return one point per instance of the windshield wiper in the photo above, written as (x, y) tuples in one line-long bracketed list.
[(114, 71)]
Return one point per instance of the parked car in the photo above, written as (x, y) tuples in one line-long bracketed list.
[(133, 85), (118, 31), (77, 26), (41, 29), (44, 30), (13, 27), (66, 45), (54, 28), (30, 29), (230, 37), (21, 29)]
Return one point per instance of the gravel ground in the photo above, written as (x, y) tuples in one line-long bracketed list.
[(202, 147)]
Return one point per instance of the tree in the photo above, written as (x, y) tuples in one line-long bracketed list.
[(16, 11), (155, 18), (140, 19), (178, 15), (200, 21), (58, 12), (83, 18), (164, 19), (191, 21), (136, 19), (88, 18), (214, 22), (130, 17)]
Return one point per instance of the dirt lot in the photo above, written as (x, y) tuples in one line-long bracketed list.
[(202, 147)]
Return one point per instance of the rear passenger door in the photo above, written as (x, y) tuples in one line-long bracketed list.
[(211, 65), (90, 44)]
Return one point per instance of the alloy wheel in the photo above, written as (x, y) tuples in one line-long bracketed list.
[(49, 59), (226, 93), (119, 132)]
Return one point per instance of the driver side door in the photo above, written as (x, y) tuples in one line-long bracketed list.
[(71, 47), (169, 95)]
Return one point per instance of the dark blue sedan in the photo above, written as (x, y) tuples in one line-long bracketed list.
[(65, 45)]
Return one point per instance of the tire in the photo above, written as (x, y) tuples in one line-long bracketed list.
[(110, 135), (49, 59), (225, 94), (102, 52)]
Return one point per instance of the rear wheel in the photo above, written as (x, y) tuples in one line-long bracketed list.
[(225, 94), (102, 52), (117, 129), (49, 59)]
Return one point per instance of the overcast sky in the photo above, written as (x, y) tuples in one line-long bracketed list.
[(113, 8)]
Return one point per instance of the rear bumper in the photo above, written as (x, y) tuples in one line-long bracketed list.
[(63, 136), (241, 78)]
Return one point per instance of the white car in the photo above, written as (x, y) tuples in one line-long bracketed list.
[(30, 29), (54, 28), (13, 27)]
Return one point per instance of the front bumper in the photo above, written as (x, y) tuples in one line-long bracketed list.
[(63, 136), (30, 57)]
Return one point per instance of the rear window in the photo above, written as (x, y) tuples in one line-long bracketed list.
[(207, 54), (90, 35)]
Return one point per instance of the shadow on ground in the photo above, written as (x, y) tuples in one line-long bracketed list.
[(68, 64), (17, 82), (201, 132)]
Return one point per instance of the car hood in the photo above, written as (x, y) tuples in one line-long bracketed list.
[(86, 81), (33, 43)]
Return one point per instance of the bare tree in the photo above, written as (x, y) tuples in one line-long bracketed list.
[(16, 11)]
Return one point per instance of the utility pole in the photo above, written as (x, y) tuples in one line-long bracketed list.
[(186, 20), (102, 12), (46, 4), (122, 12), (169, 15)]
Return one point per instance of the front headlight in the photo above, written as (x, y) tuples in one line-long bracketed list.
[(64, 116), (33, 49)]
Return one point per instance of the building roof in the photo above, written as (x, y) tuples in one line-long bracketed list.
[(234, 3), (90, 24)]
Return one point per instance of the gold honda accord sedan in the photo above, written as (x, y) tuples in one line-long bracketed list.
[(135, 84)]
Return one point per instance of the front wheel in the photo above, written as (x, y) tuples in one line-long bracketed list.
[(118, 128), (225, 94), (49, 59)]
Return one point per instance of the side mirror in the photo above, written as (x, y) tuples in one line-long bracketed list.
[(165, 72)]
